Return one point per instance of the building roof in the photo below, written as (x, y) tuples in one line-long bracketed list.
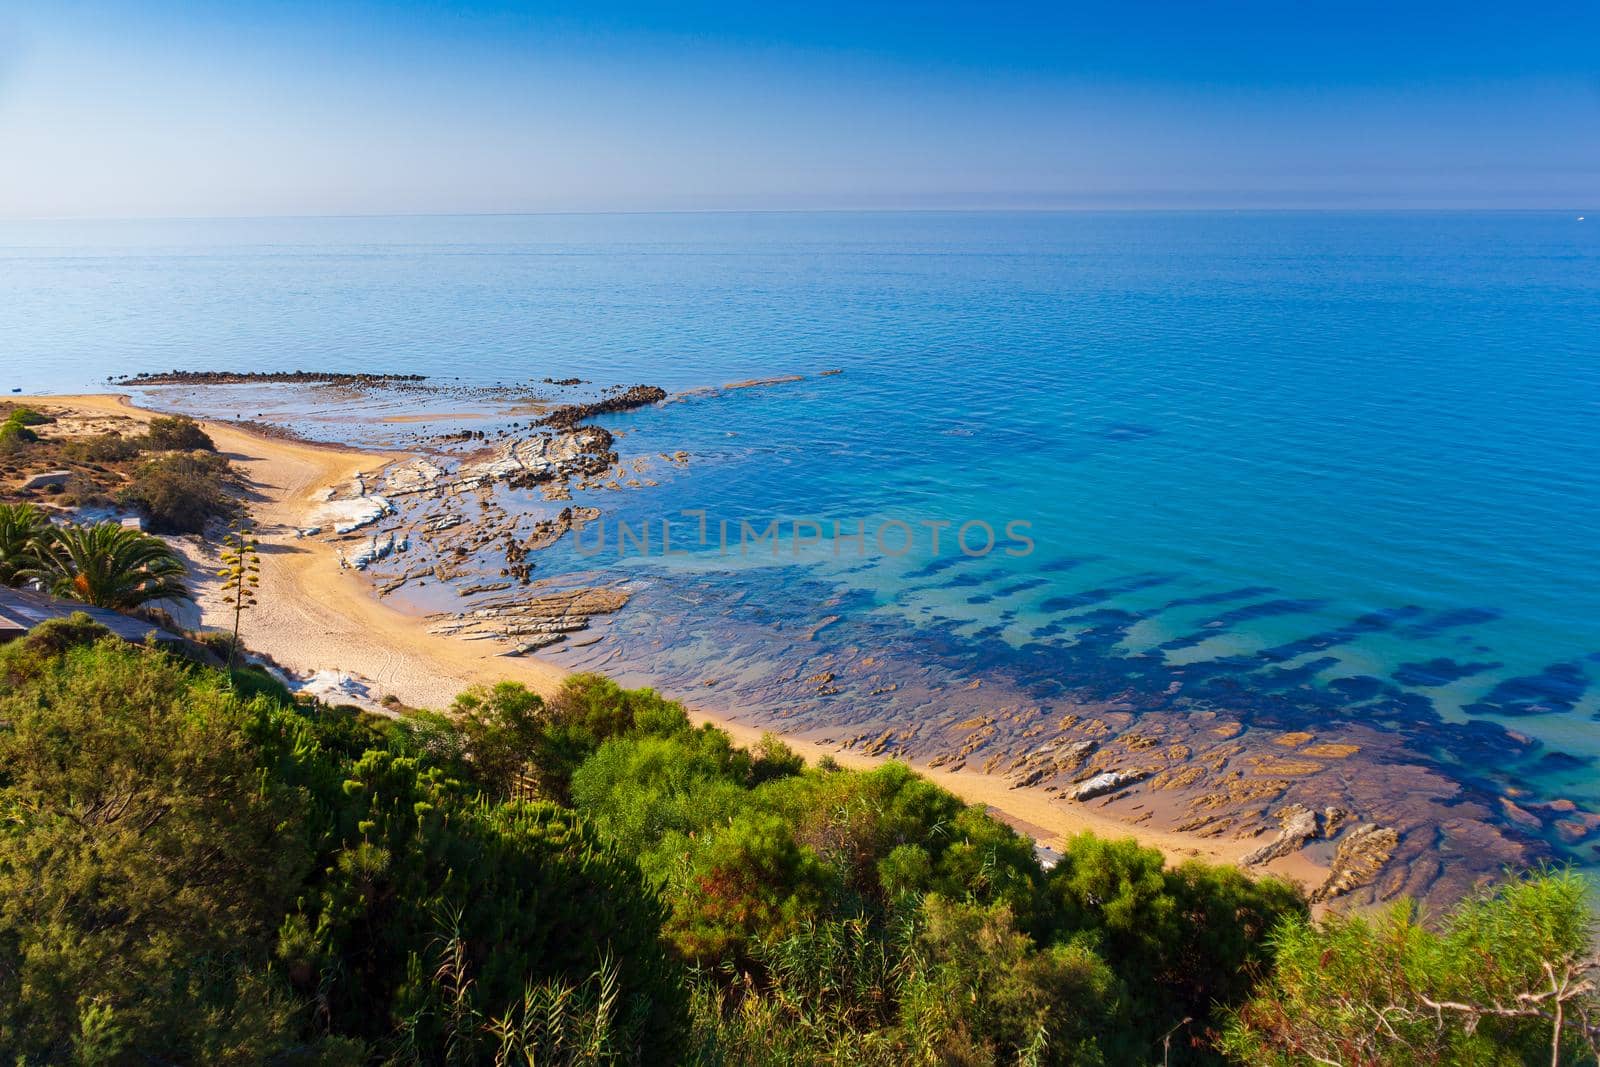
[(23, 609)]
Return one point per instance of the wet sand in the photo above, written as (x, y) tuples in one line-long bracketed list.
[(316, 617)]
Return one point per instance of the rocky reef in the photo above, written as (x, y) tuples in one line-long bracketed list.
[(532, 623), (1363, 775), (444, 519), (568, 416), (295, 377), (1360, 780)]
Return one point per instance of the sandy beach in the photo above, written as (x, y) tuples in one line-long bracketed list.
[(315, 616)]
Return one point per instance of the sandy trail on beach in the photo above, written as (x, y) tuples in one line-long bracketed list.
[(314, 616)]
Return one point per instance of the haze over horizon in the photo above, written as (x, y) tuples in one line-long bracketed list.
[(112, 109)]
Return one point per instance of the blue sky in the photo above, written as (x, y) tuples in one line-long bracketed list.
[(163, 108)]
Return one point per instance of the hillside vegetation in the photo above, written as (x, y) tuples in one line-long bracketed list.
[(169, 473), (198, 870)]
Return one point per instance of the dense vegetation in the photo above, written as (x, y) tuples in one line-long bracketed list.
[(193, 871), (16, 428), (170, 473), (1507, 978)]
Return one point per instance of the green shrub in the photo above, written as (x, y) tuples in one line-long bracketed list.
[(888, 833), (56, 636), (1185, 939), (190, 874), (142, 865), (251, 681), (1487, 987), (15, 434), (182, 492), (748, 880), (943, 983), (989, 994), (772, 759), (587, 711), (503, 727), (648, 793), (26, 416), (175, 433), (219, 643), (101, 448)]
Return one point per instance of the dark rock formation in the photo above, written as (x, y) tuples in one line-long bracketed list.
[(296, 377), (569, 416)]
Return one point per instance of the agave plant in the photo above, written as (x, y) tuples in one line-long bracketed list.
[(22, 529), (109, 566)]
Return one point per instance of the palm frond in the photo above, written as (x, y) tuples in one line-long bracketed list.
[(109, 566)]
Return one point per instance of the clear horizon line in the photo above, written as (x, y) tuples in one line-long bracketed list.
[(972, 210)]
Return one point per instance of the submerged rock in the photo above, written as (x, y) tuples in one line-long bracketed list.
[(1360, 856), (295, 377)]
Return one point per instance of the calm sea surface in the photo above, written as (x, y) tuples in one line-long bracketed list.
[(1366, 445)]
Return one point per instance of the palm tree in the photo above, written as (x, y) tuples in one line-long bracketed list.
[(22, 528), (110, 566)]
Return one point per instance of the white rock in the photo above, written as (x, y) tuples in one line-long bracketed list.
[(1109, 782)]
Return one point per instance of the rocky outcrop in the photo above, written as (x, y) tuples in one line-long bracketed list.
[(295, 377), (1050, 760), (568, 416), (378, 547), (539, 459), (351, 509), (1360, 856), (1106, 782), (531, 623), (412, 476), (1298, 824)]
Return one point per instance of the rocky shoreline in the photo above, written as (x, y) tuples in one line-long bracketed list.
[(438, 518), (296, 377), (1380, 807), (1383, 808), (438, 527), (568, 416)]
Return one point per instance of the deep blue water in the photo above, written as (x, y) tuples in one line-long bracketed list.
[(1244, 430)]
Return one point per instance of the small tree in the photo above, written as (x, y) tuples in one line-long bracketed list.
[(176, 433), (241, 575), (1509, 976), (108, 566)]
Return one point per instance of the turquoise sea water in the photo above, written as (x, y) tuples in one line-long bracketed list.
[(1354, 454)]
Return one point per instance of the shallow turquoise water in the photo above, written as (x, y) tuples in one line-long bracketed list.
[(1242, 431)]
